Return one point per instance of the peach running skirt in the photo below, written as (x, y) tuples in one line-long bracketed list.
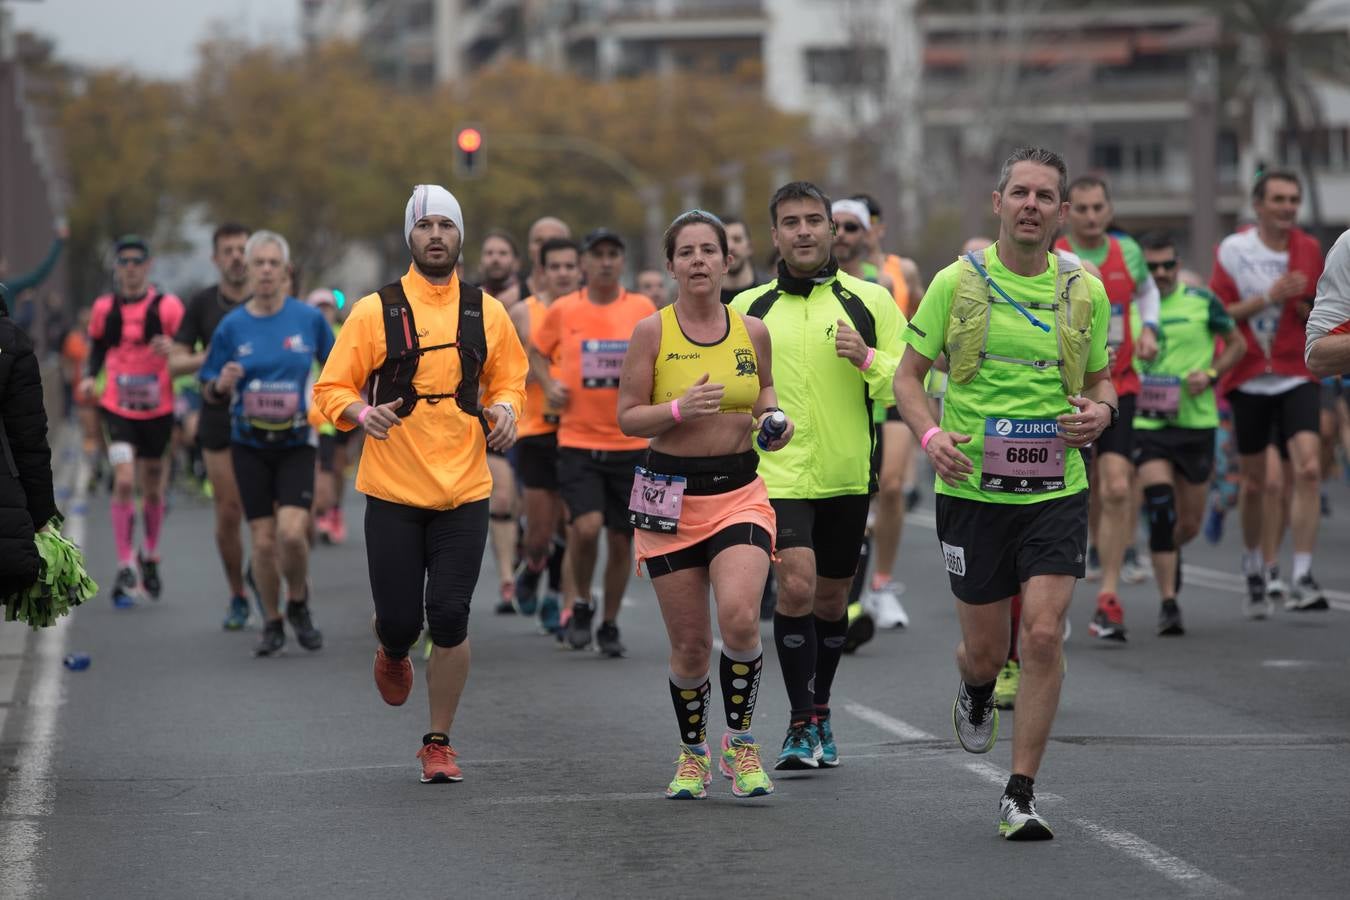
[(704, 515)]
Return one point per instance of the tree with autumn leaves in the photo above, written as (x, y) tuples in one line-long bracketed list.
[(312, 145)]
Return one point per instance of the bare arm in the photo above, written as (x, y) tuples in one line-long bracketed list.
[(1330, 355), (182, 361), (638, 416)]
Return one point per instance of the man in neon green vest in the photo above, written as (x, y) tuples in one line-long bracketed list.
[(1024, 331)]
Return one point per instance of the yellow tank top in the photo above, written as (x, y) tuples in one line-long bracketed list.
[(731, 362)]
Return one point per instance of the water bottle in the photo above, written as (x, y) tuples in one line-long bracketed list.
[(771, 429), (77, 662)]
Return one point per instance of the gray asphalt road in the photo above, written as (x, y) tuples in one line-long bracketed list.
[(179, 766)]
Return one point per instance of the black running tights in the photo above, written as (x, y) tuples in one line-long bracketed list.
[(414, 552)]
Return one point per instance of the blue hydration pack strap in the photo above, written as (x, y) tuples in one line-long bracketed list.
[(970, 257)]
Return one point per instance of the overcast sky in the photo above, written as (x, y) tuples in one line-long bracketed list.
[(153, 37)]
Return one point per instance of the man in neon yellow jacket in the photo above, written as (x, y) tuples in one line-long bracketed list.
[(836, 343)]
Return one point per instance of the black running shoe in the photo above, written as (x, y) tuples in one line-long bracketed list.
[(302, 624), (607, 640), (150, 576), (124, 588), (272, 640), (1169, 620), (579, 628), (1306, 594)]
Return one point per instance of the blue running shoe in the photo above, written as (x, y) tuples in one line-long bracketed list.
[(1214, 525), (829, 750), (526, 597), (801, 748), (549, 613), (124, 588), (237, 617)]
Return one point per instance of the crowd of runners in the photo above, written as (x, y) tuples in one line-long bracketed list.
[(756, 434)]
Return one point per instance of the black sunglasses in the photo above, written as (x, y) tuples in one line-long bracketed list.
[(131, 260), (1166, 265), (851, 227)]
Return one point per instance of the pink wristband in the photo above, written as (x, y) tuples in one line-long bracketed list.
[(867, 363), (928, 436), (675, 411), (361, 416)]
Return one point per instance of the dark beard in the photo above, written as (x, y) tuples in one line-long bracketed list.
[(436, 271)]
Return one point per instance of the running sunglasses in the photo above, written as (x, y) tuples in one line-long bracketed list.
[(1165, 265), (131, 260), (851, 227)]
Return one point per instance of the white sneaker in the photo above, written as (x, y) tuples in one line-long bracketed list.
[(884, 606), (1276, 591)]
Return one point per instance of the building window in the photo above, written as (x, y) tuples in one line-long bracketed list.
[(1330, 148), (846, 66)]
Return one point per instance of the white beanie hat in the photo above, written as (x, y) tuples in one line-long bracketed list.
[(431, 200), (855, 208)]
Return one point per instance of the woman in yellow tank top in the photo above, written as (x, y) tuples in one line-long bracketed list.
[(697, 381)]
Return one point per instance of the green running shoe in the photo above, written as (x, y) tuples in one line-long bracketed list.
[(693, 772), (1005, 688), (740, 762)]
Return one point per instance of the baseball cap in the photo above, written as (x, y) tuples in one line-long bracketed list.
[(601, 236), (132, 242)]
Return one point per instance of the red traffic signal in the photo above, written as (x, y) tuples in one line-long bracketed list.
[(469, 151), (469, 140)]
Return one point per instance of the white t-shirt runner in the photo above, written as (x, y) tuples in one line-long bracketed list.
[(1254, 267)]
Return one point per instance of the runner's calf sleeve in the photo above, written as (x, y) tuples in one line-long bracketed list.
[(795, 637), (1160, 501), (555, 565), (739, 674), (691, 696), (830, 637)]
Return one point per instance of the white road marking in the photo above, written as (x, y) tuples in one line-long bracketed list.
[(29, 791), (902, 730), (1172, 868), (1159, 860)]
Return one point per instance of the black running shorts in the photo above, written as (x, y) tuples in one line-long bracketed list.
[(1189, 450), (213, 427), (537, 461), (700, 556), (1260, 420), (1119, 438), (269, 477), (149, 437), (832, 526), (991, 549), (598, 481)]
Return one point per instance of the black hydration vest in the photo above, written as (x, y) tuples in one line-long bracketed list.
[(866, 326), (394, 379), (112, 325)]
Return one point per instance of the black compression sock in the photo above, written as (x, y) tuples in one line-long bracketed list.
[(795, 637), (830, 637), (1020, 785), (435, 737), (980, 692), (740, 687), (691, 696)]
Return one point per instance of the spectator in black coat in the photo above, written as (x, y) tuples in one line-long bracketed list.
[(26, 498)]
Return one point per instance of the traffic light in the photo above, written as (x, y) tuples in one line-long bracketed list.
[(469, 152)]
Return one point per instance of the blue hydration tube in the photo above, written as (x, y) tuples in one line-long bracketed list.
[(1031, 317)]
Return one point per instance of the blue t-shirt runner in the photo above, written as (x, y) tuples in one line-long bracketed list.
[(271, 401)]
